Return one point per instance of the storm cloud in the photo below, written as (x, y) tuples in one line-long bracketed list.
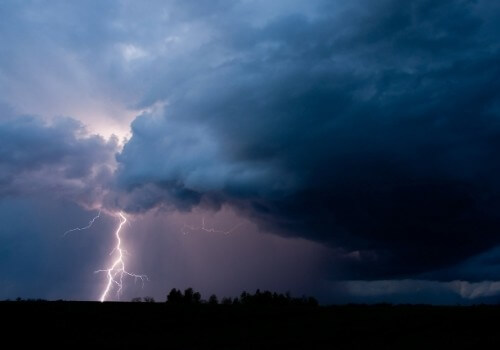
[(370, 127), (365, 131), (59, 158)]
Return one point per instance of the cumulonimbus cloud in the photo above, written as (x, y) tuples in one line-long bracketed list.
[(371, 127), (374, 131)]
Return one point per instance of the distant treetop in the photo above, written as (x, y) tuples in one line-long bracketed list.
[(265, 298)]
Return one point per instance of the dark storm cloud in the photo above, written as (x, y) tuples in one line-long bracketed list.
[(56, 157), (372, 127)]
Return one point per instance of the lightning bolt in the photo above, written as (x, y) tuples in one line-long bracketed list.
[(206, 229), (91, 222), (117, 271)]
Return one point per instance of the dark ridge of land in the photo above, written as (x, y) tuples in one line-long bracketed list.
[(159, 325)]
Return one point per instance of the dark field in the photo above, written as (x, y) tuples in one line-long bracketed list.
[(158, 325)]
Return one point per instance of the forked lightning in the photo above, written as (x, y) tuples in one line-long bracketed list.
[(117, 271)]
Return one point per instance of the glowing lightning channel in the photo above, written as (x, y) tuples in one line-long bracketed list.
[(206, 229), (117, 271), (91, 222)]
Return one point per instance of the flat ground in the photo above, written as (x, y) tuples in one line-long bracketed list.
[(158, 325)]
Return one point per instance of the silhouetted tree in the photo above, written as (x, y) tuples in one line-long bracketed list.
[(175, 297), (213, 300), (227, 301), (244, 298), (260, 298), (196, 298), (188, 296), (149, 299)]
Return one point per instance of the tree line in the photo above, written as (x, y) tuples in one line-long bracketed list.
[(264, 298)]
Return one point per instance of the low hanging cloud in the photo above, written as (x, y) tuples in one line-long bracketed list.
[(372, 128), (408, 291)]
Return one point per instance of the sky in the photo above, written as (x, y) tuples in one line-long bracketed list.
[(342, 149)]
